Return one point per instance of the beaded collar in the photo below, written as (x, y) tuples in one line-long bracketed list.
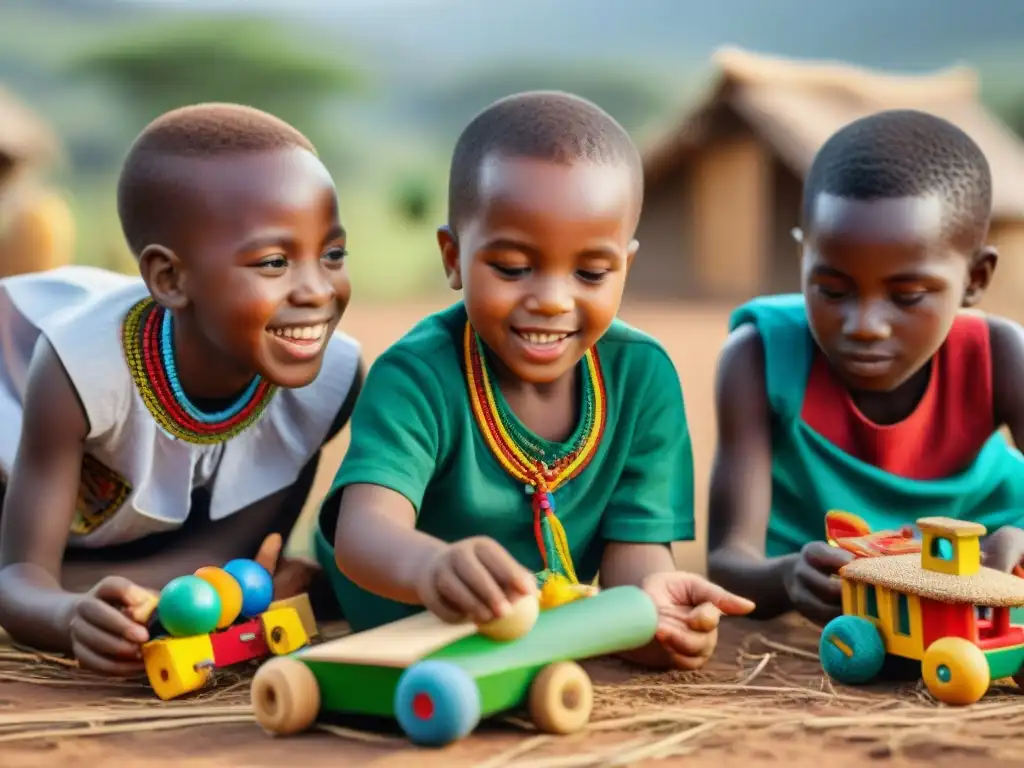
[(147, 337), (525, 461)]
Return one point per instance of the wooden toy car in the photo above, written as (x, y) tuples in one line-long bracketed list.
[(438, 680), (938, 606), (218, 618)]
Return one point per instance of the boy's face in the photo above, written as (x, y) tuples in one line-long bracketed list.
[(261, 268), (883, 284), (543, 260)]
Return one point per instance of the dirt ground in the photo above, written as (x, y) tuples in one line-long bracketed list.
[(763, 699)]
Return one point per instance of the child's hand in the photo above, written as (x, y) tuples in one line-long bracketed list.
[(104, 636), (810, 584), (1004, 549), (689, 608), (474, 578), (291, 577)]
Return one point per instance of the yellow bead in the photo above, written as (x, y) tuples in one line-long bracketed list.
[(229, 590)]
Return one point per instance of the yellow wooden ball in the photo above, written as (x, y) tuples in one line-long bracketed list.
[(229, 590)]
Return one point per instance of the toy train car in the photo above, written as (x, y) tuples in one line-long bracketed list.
[(438, 680), (934, 604), (217, 618)]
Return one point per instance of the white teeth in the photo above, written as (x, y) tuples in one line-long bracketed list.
[(544, 338), (303, 332)]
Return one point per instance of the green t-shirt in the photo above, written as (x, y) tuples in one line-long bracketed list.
[(810, 475), (413, 431)]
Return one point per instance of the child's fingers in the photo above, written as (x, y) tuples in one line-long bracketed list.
[(681, 641), (106, 644), (90, 659), (510, 575), (481, 582), (463, 599), (704, 618), (112, 621), (270, 552), (704, 591)]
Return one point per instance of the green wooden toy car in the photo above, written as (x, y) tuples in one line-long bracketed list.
[(438, 680)]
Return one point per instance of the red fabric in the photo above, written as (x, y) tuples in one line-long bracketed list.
[(943, 434)]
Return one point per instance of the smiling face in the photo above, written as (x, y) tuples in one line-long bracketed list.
[(543, 260), (258, 283), (883, 284)]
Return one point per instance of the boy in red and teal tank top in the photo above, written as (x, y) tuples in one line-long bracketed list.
[(525, 432), (876, 390)]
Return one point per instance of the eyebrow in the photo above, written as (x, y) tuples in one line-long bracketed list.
[(511, 244), (902, 277), (284, 238)]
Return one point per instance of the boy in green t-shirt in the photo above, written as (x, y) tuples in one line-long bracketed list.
[(871, 392), (525, 430)]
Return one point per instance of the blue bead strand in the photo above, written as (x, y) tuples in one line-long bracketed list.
[(167, 354)]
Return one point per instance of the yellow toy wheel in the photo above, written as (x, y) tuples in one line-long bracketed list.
[(956, 671), (561, 698), (285, 696)]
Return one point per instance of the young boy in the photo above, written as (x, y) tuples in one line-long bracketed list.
[(525, 429), (156, 425), (871, 392)]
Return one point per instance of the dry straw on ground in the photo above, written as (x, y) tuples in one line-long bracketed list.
[(765, 686)]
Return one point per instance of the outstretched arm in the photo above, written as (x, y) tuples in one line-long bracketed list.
[(39, 506), (740, 492)]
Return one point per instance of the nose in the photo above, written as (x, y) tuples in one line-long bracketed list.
[(867, 322), (550, 297), (311, 286)]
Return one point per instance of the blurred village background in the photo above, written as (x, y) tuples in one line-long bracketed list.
[(728, 99)]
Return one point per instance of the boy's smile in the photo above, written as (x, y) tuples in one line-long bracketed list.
[(883, 282), (543, 260), (262, 266)]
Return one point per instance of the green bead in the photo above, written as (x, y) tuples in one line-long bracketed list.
[(188, 606)]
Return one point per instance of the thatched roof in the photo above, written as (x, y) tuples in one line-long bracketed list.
[(903, 573), (794, 106), (25, 136)]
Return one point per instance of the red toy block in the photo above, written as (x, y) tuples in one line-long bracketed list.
[(238, 643)]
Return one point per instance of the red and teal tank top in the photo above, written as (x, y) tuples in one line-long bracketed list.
[(946, 458)]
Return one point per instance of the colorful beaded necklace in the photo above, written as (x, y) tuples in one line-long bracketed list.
[(525, 461), (147, 337)]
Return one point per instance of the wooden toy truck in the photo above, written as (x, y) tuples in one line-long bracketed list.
[(438, 680), (216, 619), (933, 603)]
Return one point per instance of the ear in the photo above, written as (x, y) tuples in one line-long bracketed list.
[(634, 246), (161, 271), (980, 276), (450, 256)]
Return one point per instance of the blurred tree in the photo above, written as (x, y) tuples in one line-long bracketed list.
[(630, 97), (413, 197), (251, 61)]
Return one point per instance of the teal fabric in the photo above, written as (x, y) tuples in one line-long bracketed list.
[(810, 475)]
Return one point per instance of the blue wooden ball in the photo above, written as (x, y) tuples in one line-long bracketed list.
[(852, 650), (257, 585)]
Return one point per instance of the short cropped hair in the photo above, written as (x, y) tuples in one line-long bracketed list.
[(197, 131), (905, 153), (543, 125)]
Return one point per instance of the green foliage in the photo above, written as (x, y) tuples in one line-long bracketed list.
[(412, 199), (245, 60), (630, 97)]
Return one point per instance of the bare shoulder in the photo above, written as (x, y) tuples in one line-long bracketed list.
[(740, 376), (1006, 343), (53, 412)]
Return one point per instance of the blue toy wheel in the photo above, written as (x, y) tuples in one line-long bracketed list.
[(436, 703), (851, 650)]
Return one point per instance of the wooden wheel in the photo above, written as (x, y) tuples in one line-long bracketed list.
[(285, 696), (561, 698), (955, 671)]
